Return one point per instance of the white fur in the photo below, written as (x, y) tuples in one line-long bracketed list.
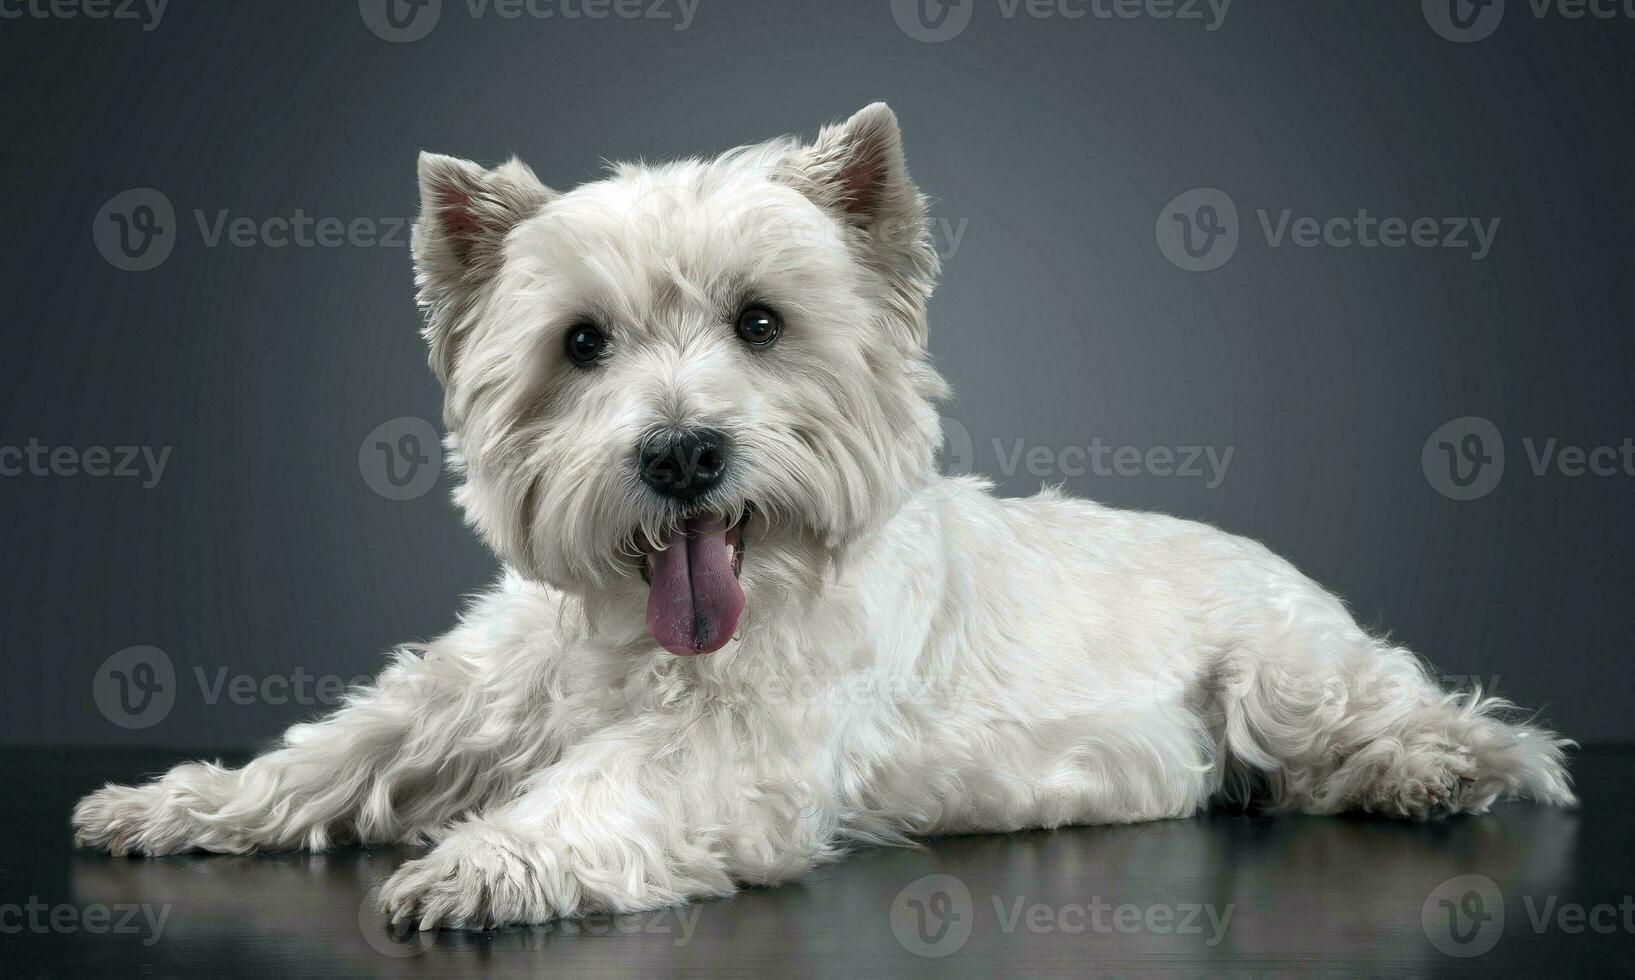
[(917, 656)]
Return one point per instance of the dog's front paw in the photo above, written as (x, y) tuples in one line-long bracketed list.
[(479, 877), (181, 811), (132, 820)]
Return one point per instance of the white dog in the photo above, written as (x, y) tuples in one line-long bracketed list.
[(694, 412)]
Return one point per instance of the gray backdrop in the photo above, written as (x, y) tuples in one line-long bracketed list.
[(270, 550)]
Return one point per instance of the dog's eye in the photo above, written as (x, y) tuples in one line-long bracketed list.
[(586, 344), (759, 326)]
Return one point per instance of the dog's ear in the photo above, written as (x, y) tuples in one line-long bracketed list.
[(466, 212), (856, 170)]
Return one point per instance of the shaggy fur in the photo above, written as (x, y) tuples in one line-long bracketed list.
[(917, 657)]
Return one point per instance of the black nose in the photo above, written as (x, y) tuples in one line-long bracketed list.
[(684, 465)]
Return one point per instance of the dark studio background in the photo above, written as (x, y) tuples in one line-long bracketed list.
[(1052, 148)]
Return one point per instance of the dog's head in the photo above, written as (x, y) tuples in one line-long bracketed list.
[(684, 388)]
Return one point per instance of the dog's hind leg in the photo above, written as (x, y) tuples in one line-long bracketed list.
[(434, 738), (1338, 720)]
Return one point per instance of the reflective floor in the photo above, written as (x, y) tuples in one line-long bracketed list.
[(1525, 890)]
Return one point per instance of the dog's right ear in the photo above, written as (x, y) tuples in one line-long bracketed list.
[(466, 212)]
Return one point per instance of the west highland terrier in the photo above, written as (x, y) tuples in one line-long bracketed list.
[(746, 625)]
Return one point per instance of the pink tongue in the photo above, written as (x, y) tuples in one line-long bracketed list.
[(694, 600)]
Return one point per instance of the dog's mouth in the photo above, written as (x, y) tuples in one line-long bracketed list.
[(693, 595)]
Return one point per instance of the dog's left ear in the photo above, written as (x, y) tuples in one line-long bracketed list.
[(858, 168), (466, 212), (857, 171)]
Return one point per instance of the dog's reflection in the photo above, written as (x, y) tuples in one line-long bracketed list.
[(1232, 890), (319, 911)]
